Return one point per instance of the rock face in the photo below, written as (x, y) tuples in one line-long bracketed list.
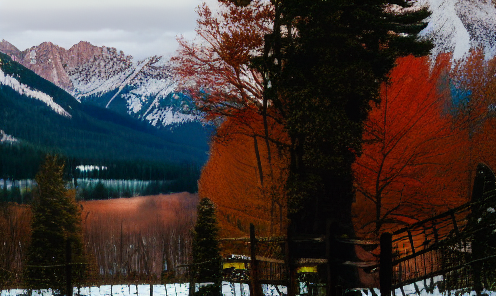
[(11, 50), (104, 77), (47, 60), (52, 62)]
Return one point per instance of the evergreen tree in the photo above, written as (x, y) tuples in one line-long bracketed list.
[(56, 223), (206, 253), (323, 66), (331, 72), (333, 69)]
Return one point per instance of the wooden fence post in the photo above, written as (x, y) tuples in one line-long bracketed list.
[(331, 277), (255, 288), (386, 264), (478, 241), (290, 268), (192, 279)]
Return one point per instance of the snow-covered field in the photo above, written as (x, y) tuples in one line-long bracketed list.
[(424, 290), (228, 289)]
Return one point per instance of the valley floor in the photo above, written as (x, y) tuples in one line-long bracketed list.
[(228, 289)]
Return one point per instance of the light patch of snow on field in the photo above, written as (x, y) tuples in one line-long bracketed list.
[(167, 116), (90, 168), (427, 288), (4, 138), (35, 94), (420, 288), (228, 289)]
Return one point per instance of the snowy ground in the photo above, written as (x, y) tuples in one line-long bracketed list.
[(411, 290), (228, 289)]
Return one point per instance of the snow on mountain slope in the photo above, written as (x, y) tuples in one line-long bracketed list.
[(32, 93), (4, 138), (460, 25), (108, 78), (144, 86)]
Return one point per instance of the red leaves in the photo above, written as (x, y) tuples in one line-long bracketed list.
[(232, 177), (216, 71), (406, 136)]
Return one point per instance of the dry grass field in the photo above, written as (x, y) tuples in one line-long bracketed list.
[(137, 213), (139, 237)]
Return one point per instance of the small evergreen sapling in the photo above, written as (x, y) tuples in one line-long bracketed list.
[(206, 266)]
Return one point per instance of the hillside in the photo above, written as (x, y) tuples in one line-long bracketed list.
[(108, 78), (43, 117)]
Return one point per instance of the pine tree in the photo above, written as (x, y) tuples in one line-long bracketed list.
[(323, 76), (56, 223), (206, 252)]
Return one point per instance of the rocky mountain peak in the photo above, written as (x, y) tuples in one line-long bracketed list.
[(47, 60), (81, 53), (10, 49), (106, 77), (54, 63)]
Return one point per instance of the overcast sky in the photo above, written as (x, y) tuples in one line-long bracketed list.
[(140, 28)]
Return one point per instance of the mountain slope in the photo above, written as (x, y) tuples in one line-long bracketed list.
[(107, 78), (37, 112), (460, 25)]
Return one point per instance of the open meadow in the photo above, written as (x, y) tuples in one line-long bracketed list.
[(127, 240)]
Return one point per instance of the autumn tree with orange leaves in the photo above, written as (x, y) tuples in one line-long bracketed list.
[(409, 146), (423, 142), (216, 71), (218, 74), (232, 178)]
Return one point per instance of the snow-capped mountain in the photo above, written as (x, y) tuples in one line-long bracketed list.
[(40, 116), (460, 25), (104, 77)]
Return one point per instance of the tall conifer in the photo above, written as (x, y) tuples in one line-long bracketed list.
[(324, 76), (56, 223), (206, 252)]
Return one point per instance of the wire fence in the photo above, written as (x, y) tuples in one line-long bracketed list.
[(459, 245)]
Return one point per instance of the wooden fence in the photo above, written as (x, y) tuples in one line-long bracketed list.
[(459, 245)]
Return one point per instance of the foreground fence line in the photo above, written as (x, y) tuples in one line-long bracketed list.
[(457, 245), (177, 289)]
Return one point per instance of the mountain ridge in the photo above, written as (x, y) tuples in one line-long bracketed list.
[(58, 122), (108, 78)]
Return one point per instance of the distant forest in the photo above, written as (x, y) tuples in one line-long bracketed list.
[(168, 159), (21, 162)]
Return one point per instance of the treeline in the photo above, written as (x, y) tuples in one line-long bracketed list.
[(146, 241), (149, 242), (85, 135), (108, 189), (20, 161)]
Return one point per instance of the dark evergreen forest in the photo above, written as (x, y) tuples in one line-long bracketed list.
[(129, 149)]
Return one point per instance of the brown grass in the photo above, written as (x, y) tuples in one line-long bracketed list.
[(137, 212)]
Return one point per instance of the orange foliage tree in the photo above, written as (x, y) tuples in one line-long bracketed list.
[(409, 149), (231, 178), (216, 71), (218, 74)]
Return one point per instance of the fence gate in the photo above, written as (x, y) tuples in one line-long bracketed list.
[(458, 246)]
